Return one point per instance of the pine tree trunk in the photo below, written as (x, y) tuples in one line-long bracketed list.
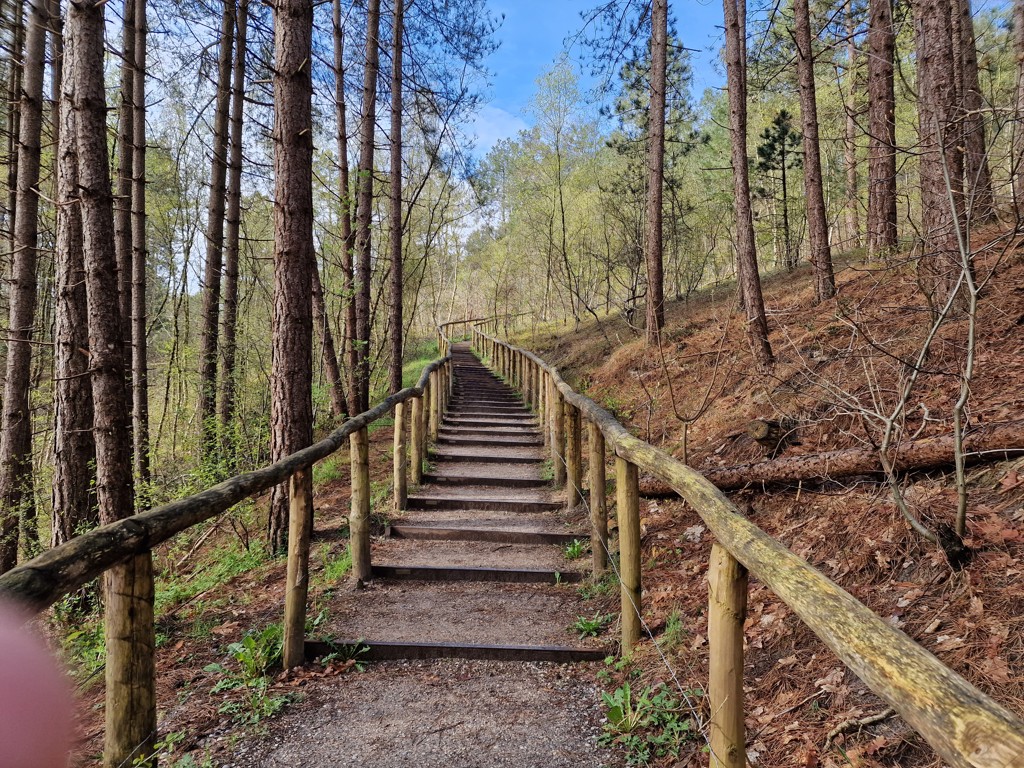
[(128, 588), (16, 486), (13, 119), (655, 314), (364, 207), (746, 253), (882, 232), (396, 239), (817, 218), (345, 213), (327, 350), (850, 143), (941, 159), (232, 234), (977, 177), (215, 237), (125, 158), (1017, 156), (74, 452), (140, 364), (291, 381)]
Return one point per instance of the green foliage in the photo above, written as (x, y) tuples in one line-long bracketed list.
[(576, 549), (336, 567), (603, 586), (593, 626), (650, 723), (85, 648), (675, 631), (222, 565), (327, 471), (258, 652)]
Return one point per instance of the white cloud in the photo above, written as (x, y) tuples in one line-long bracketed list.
[(491, 124)]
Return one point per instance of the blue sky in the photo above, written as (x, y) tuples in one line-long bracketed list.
[(533, 36)]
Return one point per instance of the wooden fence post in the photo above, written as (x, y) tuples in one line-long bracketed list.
[(628, 512), (434, 416), (401, 460), (416, 442), (557, 421), (359, 516), (598, 503), (573, 457), (727, 607), (131, 661), (296, 589)]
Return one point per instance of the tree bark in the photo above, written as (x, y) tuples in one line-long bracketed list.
[(655, 311), (13, 120), (746, 250), (364, 206), (1017, 157), (345, 214), (16, 492), (817, 218), (232, 234), (941, 160), (882, 233), (977, 177), (215, 236), (140, 364), (128, 588), (395, 318), (993, 442), (291, 382), (125, 158), (327, 351), (850, 143), (74, 452)]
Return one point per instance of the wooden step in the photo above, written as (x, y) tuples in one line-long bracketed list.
[(433, 478), (382, 650), (510, 442), (490, 421), (466, 573), (478, 458), (488, 504), (490, 535)]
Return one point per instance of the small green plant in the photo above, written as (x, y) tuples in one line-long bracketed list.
[(342, 653), (675, 631), (593, 626), (336, 567), (162, 750), (576, 549), (649, 723), (255, 705), (603, 586), (327, 471), (257, 653), (547, 471), (86, 649)]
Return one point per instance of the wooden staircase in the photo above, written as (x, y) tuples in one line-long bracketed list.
[(482, 537)]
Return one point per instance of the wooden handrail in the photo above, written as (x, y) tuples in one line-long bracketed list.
[(964, 726)]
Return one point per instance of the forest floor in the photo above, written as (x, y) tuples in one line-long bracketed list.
[(838, 364), (838, 367)]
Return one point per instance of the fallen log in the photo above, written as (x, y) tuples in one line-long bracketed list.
[(990, 442)]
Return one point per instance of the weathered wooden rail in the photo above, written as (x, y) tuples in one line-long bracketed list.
[(964, 726), (60, 571)]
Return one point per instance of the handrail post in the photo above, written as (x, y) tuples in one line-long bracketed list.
[(557, 421), (416, 442), (628, 512), (598, 503), (573, 457), (727, 607), (296, 590), (359, 516), (130, 634), (401, 460), (435, 417)]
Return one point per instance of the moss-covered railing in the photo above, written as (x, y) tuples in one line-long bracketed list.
[(964, 726)]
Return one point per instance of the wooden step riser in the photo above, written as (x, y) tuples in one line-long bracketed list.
[(459, 432), (483, 505), (488, 535), (391, 651), (488, 575), (524, 423), (503, 482), (484, 442), (477, 459)]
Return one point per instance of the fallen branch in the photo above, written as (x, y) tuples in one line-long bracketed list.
[(991, 442), (849, 725)]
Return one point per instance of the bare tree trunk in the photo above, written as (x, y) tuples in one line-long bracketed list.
[(395, 319), (941, 159), (817, 218), (140, 364), (74, 452), (345, 209), (364, 206), (215, 237), (1017, 156), (13, 120), (655, 313), (128, 588), (978, 178), (233, 220), (291, 383), (16, 491), (850, 143), (327, 351), (125, 157), (746, 253), (882, 233)]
